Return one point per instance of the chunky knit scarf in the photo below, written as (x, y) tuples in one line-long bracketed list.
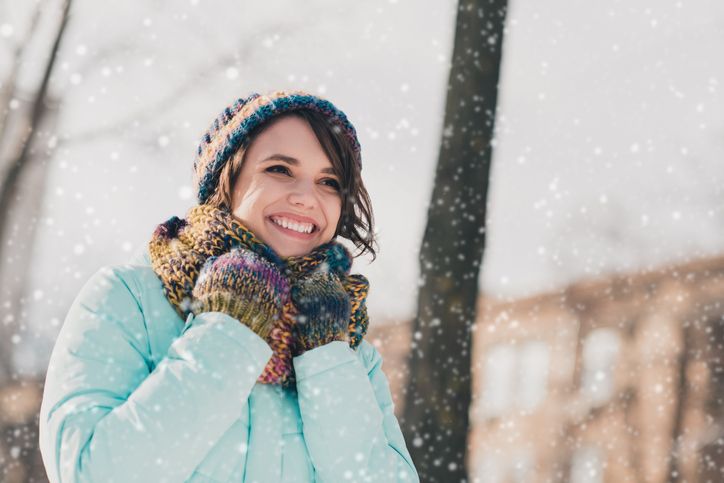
[(179, 248)]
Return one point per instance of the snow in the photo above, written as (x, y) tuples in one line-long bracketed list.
[(607, 150)]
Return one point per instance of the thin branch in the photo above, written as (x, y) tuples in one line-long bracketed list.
[(9, 88)]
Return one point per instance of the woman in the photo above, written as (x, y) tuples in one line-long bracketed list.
[(232, 348)]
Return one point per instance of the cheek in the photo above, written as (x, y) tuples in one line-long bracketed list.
[(334, 212), (246, 202)]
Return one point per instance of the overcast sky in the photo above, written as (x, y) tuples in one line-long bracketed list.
[(608, 154)]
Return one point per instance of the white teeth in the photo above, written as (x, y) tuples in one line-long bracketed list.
[(292, 225)]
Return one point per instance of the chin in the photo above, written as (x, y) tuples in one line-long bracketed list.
[(291, 253)]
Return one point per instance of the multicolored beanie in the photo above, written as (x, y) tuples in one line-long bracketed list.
[(230, 131)]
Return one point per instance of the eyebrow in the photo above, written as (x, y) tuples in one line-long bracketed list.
[(290, 160)]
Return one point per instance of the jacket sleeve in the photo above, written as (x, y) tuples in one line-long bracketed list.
[(105, 416), (348, 417)]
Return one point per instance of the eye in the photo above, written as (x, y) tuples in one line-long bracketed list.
[(278, 168), (272, 169), (332, 183)]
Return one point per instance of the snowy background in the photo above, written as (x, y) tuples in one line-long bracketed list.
[(608, 157)]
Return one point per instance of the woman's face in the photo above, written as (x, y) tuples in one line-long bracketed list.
[(287, 178)]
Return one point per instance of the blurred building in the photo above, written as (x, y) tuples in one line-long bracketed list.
[(20, 460), (617, 379)]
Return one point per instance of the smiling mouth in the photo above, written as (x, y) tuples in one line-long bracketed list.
[(294, 233)]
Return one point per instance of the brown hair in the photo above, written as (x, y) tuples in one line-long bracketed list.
[(356, 221)]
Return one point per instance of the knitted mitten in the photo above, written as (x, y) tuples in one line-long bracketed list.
[(244, 285), (323, 310)]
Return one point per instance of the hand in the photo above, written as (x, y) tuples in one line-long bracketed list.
[(244, 285), (324, 310)]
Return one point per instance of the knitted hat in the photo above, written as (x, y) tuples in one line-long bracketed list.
[(231, 128)]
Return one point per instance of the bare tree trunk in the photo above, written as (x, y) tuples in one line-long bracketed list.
[(14, 267), (710, 451), (677, 429), (437, 404)]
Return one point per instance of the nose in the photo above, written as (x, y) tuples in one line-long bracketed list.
[(302, 195)]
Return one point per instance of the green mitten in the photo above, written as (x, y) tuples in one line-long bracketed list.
[(324, 310)]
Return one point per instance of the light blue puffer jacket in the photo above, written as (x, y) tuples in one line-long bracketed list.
[(134, 394)]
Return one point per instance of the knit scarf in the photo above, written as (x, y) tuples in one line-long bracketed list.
[(179, 247)]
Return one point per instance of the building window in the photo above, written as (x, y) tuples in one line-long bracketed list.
[(517, 467), (515, 376), (586, 465), (521, 469), (499, 379), (489, 469), (533, 364), (600, 351)]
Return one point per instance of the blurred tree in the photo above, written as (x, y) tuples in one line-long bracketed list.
[(680, 404), (439, 391), (19, 184), (22, 179)]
